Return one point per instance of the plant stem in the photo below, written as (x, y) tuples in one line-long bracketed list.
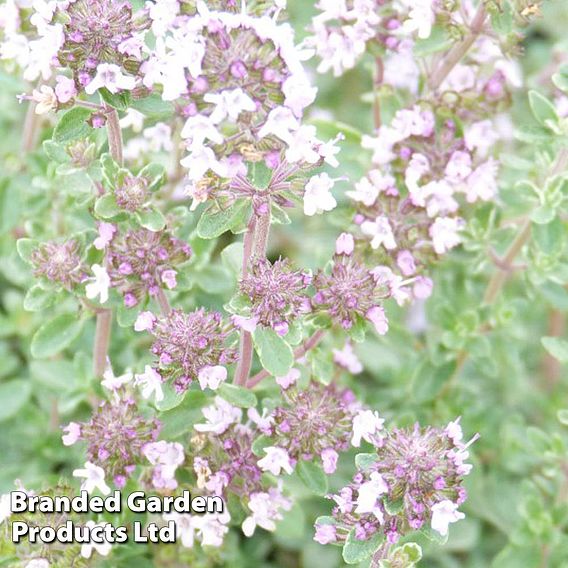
[(102, 341), (255, 242), (379, 74), (29, 134), (104, 318), (456, 53), (299, 352), (163, 301), (114, 135)]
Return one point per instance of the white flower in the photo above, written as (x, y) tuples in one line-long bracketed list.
[(72, 433), (299, 93), (302, 145), (444, 513), (365, 192), (145, 321), (264, 508), (113, 383), (482, 183), (110, 76), (420, 19), (38, 563), (280, 122), (444, 232), (219, 417), (480, 136), (369, 493), (263, 422), (100, 285), (166, 457), (151, 383), (366, 425), (229, 104), (317, 195), (199, 128), (458, 167), (106, 233), (381, 231), (211, 376), (184, 527), (94, 478), (211, 527), (200, 161), (169, 278), (45, 98), (276, 460), (132, 119), (103, 549), (347, 359), (454, 431)]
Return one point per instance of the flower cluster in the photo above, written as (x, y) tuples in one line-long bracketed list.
[(115, 436), (226, 463), (276, 294), (192, 346), (350, 292), (142, 262), (59, 262), (315, 422), (413, 479)]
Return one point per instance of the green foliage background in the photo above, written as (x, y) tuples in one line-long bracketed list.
[(509, 389)]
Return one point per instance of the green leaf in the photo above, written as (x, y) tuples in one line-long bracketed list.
[(502, 19), (260, 443), (13, 394), (279, 216), (120, 101), (151, 219), (313, 477), (110, 170), (355, 551), (365, 461), (407, 555), (550, 238), (55, 152), (180, 420), (55, 335), (438, 40), (237, 396), (153, 106), (260, 175), (125, 316), (106, 207), (429, 379), (560, 80), (213, 225), (232, 257), (25, 248), (38, 299), (172, 398), (275, 354), (543, 110), (556, 347), (562, 416), (433, 536), (543, 215), (72, 125), (155, 174)]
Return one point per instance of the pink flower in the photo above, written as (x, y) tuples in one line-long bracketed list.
[(344, 244), (73, 433), (169, 278), (444, 232), (212, 376), (405, 261), (366, 426), (347, 359), (376, 315), (246, 324), (329, 459), (325, 534), (422, 288), (289, 379), (381, 231), (65, 89), (106, 232), (145, 321)]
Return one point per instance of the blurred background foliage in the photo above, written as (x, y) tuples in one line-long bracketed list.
[(452, 358)]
